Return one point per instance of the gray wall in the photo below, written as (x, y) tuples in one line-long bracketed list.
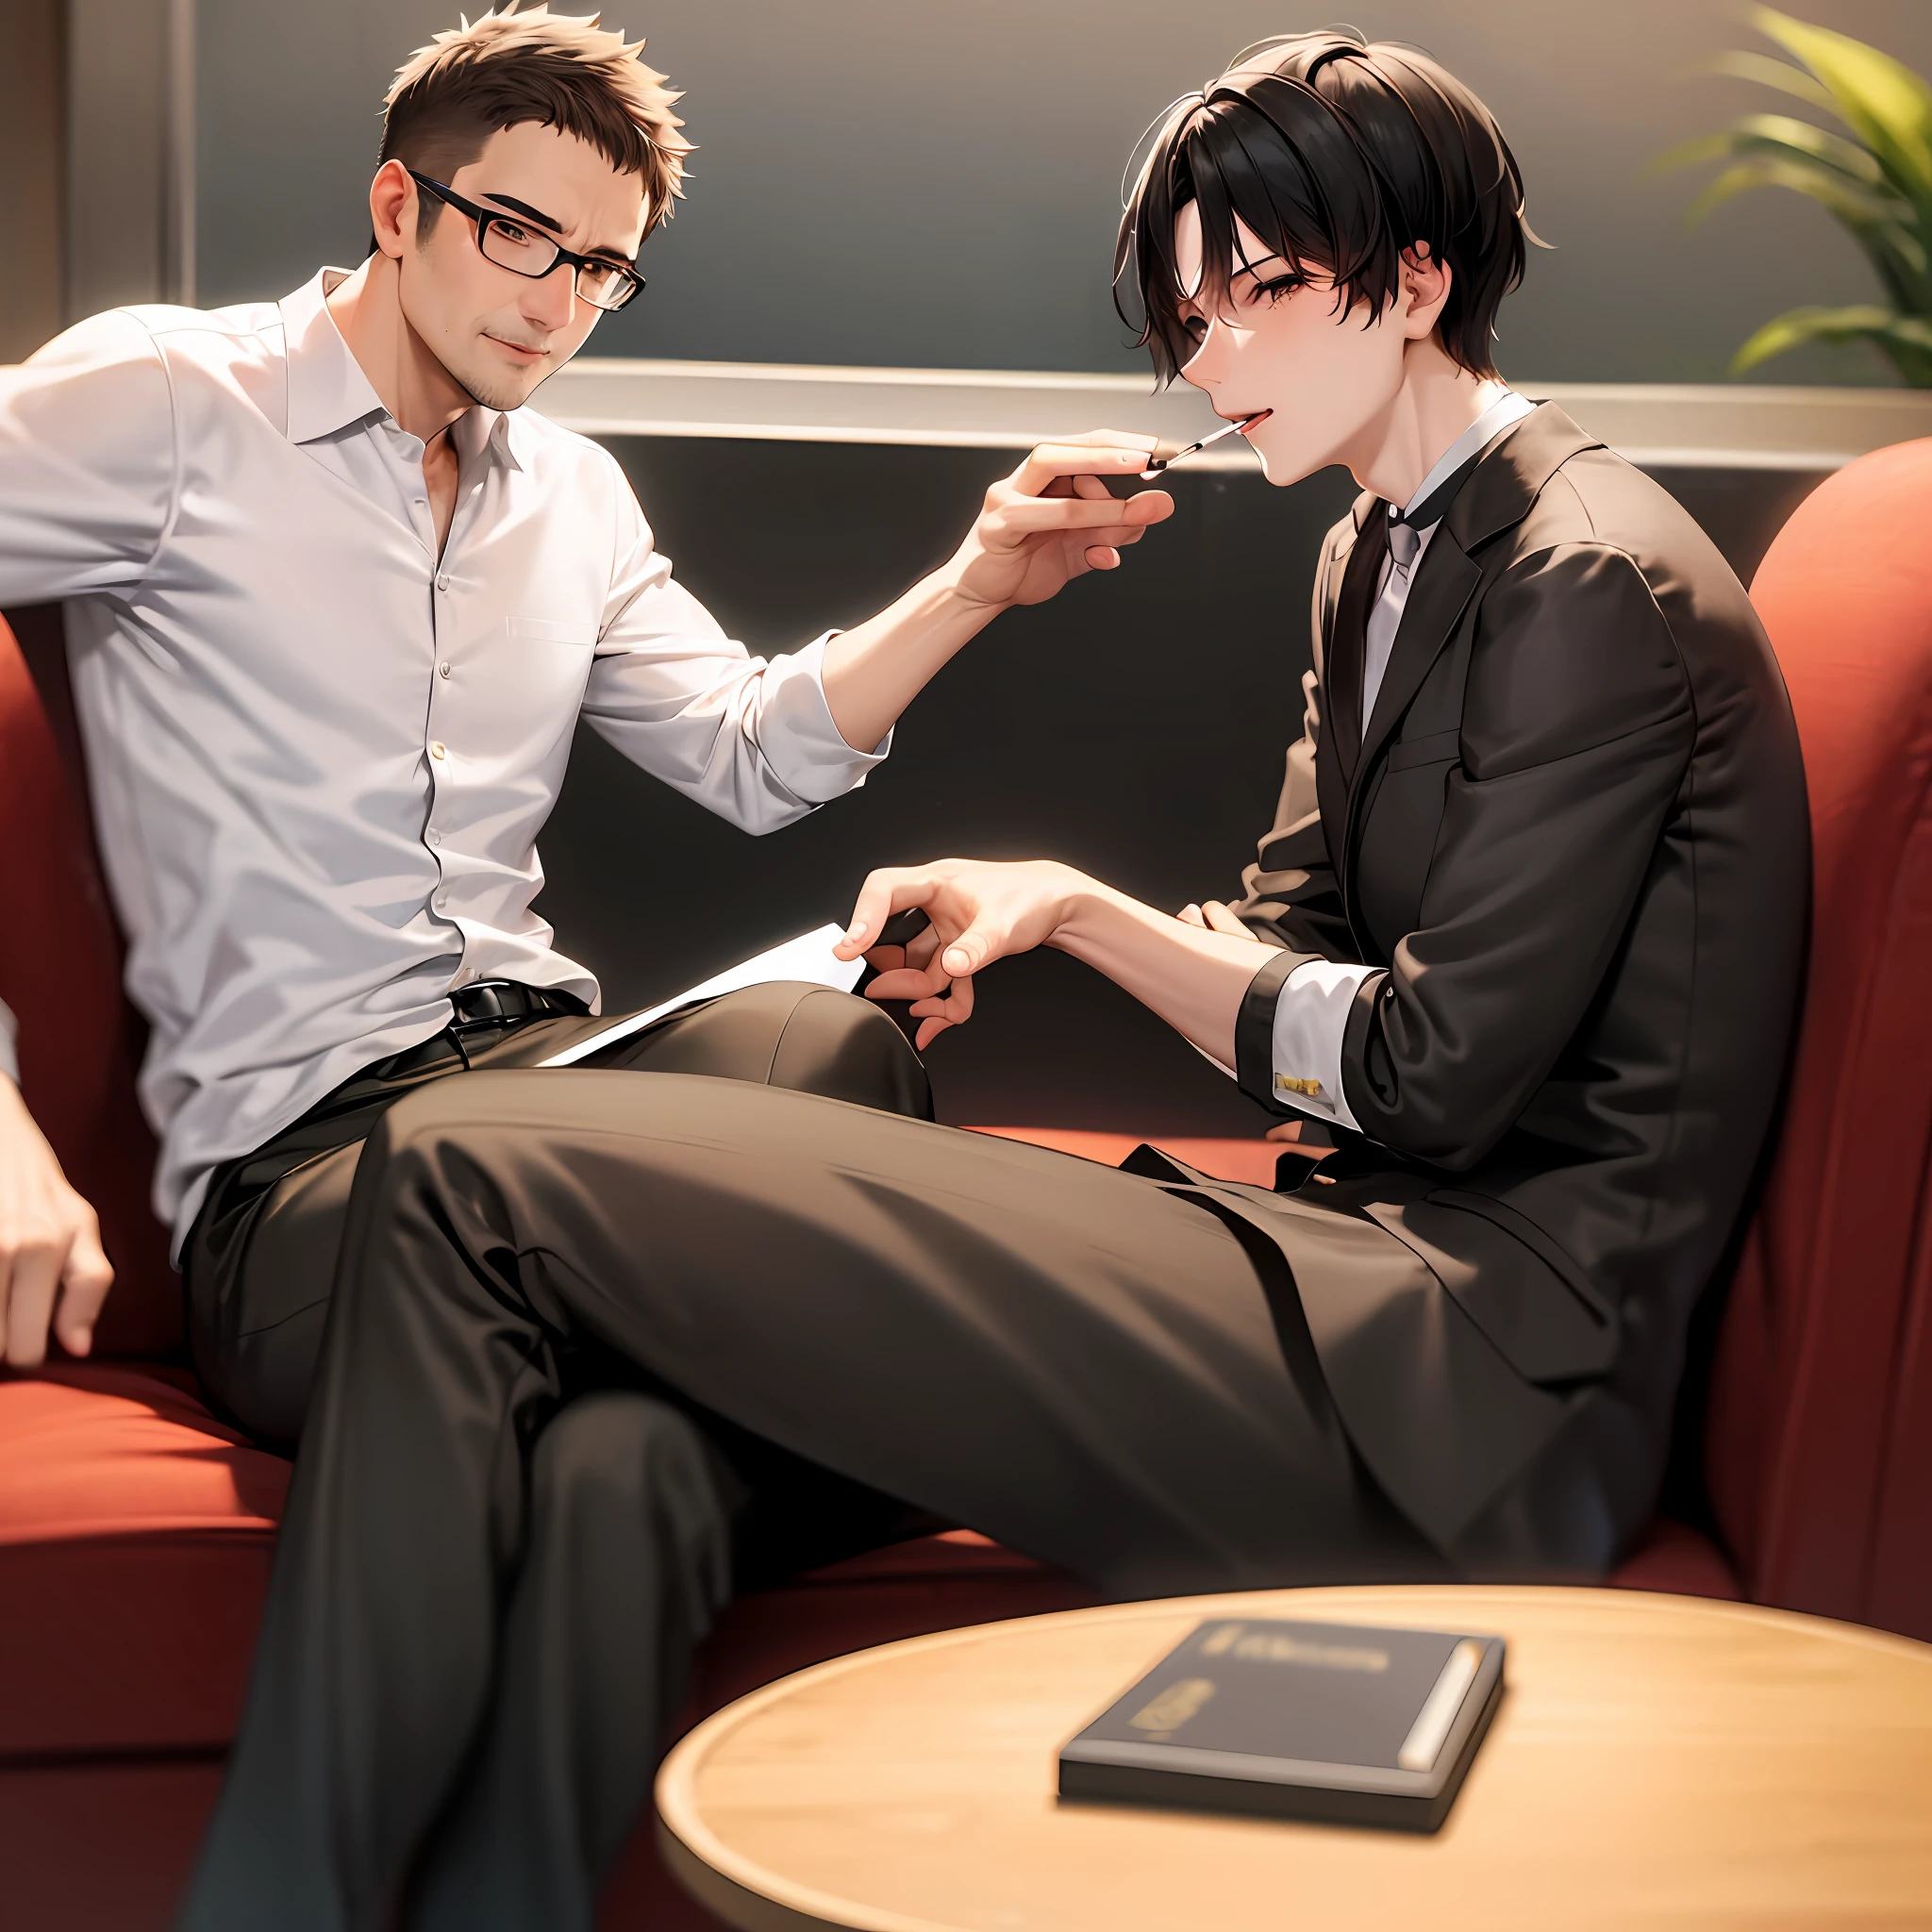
[(928, 182)]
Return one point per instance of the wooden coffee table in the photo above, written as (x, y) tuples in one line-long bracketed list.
[(1657, 1762)]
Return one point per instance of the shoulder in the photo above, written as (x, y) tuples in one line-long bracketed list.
[(1596, 496), (1572, 649), (571, 467), (101, 385), (161, 354), (560, 452)]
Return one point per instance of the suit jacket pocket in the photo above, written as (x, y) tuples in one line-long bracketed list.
[(1536, 1318), (1436, 748)]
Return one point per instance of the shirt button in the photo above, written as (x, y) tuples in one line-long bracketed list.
[(443, 669), (438, 750), (436, 837), (441, 902), (442, 583)]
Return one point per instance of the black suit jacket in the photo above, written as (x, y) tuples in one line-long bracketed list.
[(1574, 836)]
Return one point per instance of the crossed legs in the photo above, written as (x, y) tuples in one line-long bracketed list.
[(1072, 1360)]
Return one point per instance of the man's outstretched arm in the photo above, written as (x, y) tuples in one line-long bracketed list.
[(762, 742), (1052, 520), (1192, 975)]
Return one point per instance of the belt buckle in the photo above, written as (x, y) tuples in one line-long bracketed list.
[(461, 1021)]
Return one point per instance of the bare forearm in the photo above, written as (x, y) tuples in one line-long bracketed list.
[(1192, 977), (874, 672)]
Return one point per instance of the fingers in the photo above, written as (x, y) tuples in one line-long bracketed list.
[(934, 1015), (883, 893), (1099, 453), (1024, 516), (1221, 919), (34, 1277), (1288, 1130), (1190, 915), (84, 1285), (907, 984)]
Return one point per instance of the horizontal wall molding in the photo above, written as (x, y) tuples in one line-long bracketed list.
[(1660, 425)]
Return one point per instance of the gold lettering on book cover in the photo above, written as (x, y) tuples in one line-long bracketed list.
[(1173, 1708)]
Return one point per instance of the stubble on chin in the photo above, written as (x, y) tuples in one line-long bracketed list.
[(496, 389)]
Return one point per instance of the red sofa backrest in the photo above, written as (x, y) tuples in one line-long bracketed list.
[(1818, 1447), (1818, 1440), (80, 1042)]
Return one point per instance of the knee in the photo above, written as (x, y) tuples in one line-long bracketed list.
[(847, 1048), (615, 1464)]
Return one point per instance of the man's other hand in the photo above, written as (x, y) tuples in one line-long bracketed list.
[(1215, 917), (52, 1268), (1054, 519), (981, 910)]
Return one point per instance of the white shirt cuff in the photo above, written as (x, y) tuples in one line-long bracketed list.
[(797, 735), (9, 1061), (1310, 1024)]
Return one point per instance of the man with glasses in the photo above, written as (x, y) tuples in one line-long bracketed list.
[(336, 603)]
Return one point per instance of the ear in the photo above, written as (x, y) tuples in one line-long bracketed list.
[(392, 207), (1426, 284)]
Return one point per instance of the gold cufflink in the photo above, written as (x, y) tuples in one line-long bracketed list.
[(1284, 1085)]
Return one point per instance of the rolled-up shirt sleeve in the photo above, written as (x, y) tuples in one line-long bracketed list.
[(10, 1057), (750, 738)]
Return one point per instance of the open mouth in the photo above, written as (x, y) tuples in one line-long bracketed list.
[(1252, 421)]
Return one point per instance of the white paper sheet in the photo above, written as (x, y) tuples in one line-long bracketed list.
[(807, 957)]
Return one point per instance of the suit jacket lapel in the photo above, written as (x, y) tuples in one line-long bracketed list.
[(1445, 580)]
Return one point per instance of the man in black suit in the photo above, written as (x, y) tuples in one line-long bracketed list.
[(1523, 941)]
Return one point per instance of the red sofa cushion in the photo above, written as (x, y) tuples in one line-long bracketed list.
[(134, 1539), (1818, 1441)]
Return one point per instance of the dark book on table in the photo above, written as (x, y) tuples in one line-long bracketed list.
[(1325, 1721)]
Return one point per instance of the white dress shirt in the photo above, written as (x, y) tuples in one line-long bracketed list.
[(320, 754), (1312, 1010)]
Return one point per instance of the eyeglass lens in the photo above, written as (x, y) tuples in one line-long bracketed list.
[(511, 245)]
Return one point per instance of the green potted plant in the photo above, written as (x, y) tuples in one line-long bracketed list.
[(1875, 178)]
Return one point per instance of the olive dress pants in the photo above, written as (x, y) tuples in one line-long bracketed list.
[(570, 1353)]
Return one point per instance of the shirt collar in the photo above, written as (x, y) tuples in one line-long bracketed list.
[(329, 391), (1507, 408)]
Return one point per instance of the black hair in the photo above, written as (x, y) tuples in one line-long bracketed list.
[(1340, 155)]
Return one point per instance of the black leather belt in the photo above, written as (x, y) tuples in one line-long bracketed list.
[(483, 1003), (497, 1002)]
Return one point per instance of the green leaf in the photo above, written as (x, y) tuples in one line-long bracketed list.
[(1906, 339), (1880, 99), (1894, 251), (1766, 72), (1691, 154), (1781, 134)]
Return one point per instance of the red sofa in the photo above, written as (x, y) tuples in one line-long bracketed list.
[(135, 1530)]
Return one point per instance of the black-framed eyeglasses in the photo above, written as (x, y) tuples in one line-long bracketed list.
[(524, 249)]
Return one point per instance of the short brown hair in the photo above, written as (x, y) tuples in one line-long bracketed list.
[(1339, 154), (559, 70)]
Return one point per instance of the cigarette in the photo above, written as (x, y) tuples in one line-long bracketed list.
[(1157, 464)]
